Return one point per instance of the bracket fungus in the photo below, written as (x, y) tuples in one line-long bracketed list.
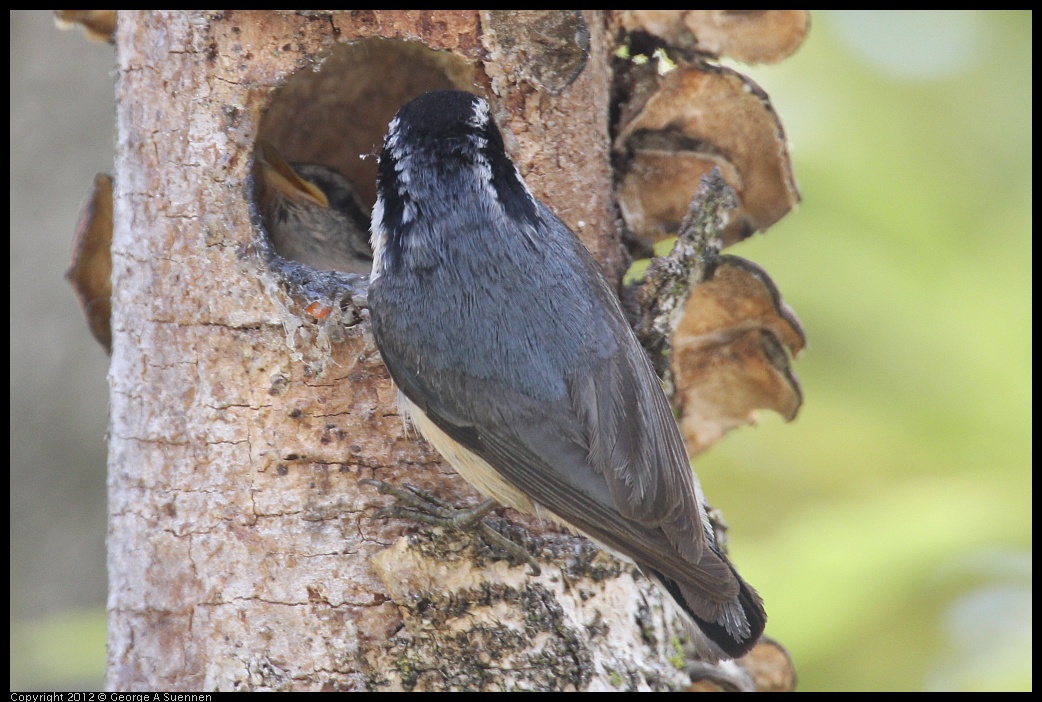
[(97, 25), (749, 36), (731, 353), (90, 271), (730, 334), (675, 130)]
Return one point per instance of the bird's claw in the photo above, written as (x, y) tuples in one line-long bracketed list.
[(428, 509)]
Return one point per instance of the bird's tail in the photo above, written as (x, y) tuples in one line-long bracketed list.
[(733, 632)]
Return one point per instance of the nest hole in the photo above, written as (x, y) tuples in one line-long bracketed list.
[(335, 113)]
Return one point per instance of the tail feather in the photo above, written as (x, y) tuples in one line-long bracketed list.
[(733, 632)]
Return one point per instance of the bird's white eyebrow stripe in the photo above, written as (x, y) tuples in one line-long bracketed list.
[(481, 113)]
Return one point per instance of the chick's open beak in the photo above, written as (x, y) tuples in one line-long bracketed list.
[(279, 175)]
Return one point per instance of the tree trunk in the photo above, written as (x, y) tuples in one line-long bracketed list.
[(244, 553)]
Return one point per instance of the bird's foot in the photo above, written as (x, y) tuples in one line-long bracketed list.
[(425, 507)]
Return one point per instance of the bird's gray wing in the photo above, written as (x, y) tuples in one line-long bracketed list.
[(558, 396), (607, 459)]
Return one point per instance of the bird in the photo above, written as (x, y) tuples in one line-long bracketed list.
[(513, 357), (313, 214)]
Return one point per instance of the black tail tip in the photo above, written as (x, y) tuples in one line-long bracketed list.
[(733, 633)]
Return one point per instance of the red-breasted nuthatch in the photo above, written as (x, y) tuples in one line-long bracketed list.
[(514, 359)]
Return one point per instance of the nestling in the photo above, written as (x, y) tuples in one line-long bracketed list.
[(313, 214)]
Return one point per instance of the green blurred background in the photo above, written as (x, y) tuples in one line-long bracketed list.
[(888, 529)]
